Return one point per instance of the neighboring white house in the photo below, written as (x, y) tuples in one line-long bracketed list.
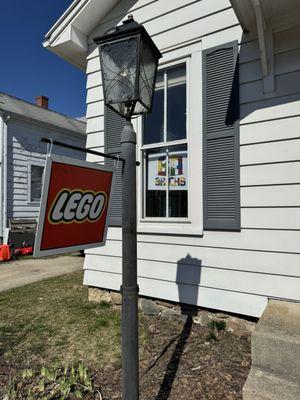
[(226, 121), (23, 155)]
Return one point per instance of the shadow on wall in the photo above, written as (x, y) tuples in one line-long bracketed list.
[(116, 15), (188, 279), (250, 91), (253, 95)]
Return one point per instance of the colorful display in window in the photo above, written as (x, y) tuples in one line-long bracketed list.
[(177, 171)]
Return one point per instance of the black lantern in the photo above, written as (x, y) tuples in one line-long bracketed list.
[(129, 60)]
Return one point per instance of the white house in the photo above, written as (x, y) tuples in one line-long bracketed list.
[(223, 231), (23, 155)]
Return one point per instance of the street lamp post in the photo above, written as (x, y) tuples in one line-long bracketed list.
[(129, 60)]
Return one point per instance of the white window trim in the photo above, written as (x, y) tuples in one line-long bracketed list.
[(193, 225), (38, 164)]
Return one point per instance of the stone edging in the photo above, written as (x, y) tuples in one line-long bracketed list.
[(237, 325)]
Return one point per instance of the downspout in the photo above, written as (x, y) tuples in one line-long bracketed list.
[(5, 119), (1, 172)]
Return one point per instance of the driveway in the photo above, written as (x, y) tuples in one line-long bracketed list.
[(24, 271)]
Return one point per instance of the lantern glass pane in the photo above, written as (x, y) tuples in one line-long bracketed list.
[(119, 69), (140, 109), (148, 65)]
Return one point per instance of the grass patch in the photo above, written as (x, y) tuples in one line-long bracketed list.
[(53, 322)]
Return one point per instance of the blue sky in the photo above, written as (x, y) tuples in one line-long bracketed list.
[(26, 68)]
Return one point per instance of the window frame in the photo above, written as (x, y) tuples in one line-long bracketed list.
[(36, 164), (193, 224)]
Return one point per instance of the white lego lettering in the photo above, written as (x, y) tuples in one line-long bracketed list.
[(77, 206)]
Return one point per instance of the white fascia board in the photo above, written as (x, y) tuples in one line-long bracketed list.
[(63, 18)]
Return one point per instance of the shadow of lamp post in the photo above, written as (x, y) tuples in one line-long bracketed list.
[(129, 60)]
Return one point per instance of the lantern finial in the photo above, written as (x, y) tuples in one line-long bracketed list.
[(128, 20)]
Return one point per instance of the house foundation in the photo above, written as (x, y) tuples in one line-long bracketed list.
[(275, 371)]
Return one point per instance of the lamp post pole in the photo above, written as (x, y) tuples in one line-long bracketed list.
[(129, 60), (129, 289)]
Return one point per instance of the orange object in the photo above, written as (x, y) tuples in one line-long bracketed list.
[(5, 253)]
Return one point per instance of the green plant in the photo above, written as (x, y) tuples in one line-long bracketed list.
[(211, 337), (27, 373), (49, 374), (220, 325), (11, 390), (65, 387), (217, 325), (104, 305), (41, 385), (72, 381), (29, 394)]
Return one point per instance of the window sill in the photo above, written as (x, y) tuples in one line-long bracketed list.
[(34, 203), (170, 227), (164, 221)]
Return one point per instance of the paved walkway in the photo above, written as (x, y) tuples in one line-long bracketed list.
[(24, 271)]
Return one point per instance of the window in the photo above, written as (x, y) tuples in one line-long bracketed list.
[(36, 182), (165, 148)]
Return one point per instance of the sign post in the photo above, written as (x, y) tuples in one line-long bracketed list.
[(74, 207)]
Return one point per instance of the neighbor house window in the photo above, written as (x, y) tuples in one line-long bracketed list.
[(36, 182), (165, 148)]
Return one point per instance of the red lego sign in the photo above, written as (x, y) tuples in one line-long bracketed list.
[(74, 206)]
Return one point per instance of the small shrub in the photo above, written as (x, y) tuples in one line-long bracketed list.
[(217, 325), (220, 325)]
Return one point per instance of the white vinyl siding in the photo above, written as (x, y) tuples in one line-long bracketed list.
[(231, 271), (24, 148)]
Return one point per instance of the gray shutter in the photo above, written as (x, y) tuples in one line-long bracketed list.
[(221, 163), (113, 127)]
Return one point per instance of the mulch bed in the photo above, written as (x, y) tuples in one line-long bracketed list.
[(180, 361)]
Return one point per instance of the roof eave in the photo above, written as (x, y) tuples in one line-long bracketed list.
[(34, 121), (68, 38), (241, 13), (71, 45), (246, 12)]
